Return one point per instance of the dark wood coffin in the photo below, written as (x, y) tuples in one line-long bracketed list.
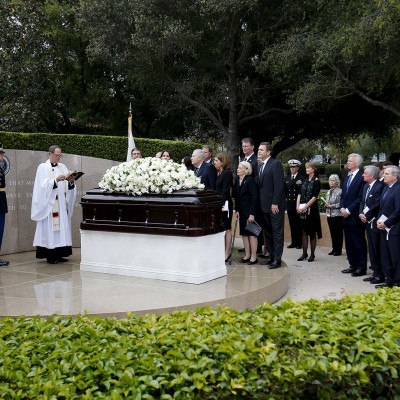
[(183, 213)]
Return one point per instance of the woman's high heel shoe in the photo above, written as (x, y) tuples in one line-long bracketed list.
[(312, 258), (303, 257)]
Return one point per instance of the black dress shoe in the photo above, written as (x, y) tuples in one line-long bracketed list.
[(337, 254), (369, 279), (267, 261), (253, 262), (244, 260), (262, 256), (358, 272), (384, 285), (4, 263), (298, 247), (52, 262), (348, 270), (62, 260), (291, 246), (377, 279), (331, 253), (303, 257), (311, 258), (274, 264)]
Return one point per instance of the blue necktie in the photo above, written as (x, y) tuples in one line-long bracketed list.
[(348, 181)]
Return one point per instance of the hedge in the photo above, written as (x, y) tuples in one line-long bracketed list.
[(333, 349), (107, 147)]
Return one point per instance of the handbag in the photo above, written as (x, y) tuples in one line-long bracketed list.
[(253, 228)]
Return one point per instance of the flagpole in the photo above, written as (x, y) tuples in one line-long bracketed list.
[(131, 142)]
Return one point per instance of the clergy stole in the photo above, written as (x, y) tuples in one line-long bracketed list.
[(56, 216)]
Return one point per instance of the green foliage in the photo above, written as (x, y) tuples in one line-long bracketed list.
[(339, 349), (107, 147)]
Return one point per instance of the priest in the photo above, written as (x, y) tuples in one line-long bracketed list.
[(53, 202)]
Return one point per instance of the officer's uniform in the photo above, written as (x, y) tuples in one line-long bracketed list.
[(3, 206), (292, 189)]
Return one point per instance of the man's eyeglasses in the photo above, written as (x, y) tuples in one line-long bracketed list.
[(57, 155)]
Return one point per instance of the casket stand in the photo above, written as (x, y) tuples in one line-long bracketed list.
[(176, 237)]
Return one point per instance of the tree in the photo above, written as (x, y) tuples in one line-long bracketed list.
[(340, 51)]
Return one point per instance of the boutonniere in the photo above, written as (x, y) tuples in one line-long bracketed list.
[(299, 182)]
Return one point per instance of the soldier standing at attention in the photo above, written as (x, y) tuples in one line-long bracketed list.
[(3, 202), (292, 188)]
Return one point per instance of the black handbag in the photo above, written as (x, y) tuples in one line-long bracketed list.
[(253, 228)]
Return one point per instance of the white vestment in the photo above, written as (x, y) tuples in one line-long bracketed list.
[(43, 198)]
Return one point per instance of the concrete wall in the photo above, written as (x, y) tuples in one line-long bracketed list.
[(20, 229)]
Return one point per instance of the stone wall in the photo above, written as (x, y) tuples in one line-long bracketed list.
[(20, 229)]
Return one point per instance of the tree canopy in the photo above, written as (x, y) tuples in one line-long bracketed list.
[(274, 70)]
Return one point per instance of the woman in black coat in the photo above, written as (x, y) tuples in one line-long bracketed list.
[(246, 200), (223, 187), (307, 207)]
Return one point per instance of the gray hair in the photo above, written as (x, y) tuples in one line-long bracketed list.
[(199, 153), (53, 147), (372, 170), (247, 167), (358, 158), (335, 177), (395, 171)]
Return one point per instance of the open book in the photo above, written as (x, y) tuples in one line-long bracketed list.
[(74, 175)]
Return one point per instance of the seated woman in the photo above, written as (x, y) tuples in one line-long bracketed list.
[(166, 155), (307, 207), (333, 215), (246, 201), (223, 187)]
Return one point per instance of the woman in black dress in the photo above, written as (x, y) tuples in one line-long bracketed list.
[(307, 207), (223, 187), (246, 200)]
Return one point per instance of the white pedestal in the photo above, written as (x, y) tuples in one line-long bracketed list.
[(172, 258)]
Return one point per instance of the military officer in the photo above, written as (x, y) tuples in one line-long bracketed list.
[(3, 202), (292, 187)]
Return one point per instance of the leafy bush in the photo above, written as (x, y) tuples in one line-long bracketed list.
[(107, 147), (339, 349)]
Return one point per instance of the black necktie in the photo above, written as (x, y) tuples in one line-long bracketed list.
[(386, 192), (262, 169), (54, 164)]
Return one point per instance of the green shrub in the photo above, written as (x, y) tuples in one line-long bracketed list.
[(336, 349), (107, 147)]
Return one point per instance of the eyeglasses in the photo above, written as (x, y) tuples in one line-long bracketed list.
[(57, 155)]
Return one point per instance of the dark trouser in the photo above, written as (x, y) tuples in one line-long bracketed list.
[(336, 231), (374, 251), (295, 227), (274, 233), (390, 257), (2, 222), (356, 245)]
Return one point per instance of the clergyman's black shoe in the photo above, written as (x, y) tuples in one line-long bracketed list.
[(348, 270), (52, 262), (337, 254), (274, 264), (384, 285), (331, 253), (62, 260), (4, 263), (291, 246)]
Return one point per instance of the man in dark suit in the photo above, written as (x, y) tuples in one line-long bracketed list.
[(206, 172), (292, 188), (389, 225), (273, 203), (354, 229), (249, 155), (368, 212)]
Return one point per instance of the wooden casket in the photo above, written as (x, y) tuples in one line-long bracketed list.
[(177, 237)]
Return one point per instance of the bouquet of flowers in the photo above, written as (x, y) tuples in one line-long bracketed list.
[(149, 175)]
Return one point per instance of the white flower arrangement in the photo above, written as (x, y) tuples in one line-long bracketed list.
[(149, 175)]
